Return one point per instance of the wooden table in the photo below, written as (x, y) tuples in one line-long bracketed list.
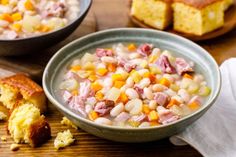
[(112, 14)]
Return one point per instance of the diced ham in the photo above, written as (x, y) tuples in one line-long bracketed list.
[(129, 66), (138, 118), (71, 75), (78, 103), (104, 107), (166, 116), (84, 90), (161, 98), (138, 90), (145, 49), (67, 96), (122, 117), (164, 63), (103, 52), (182, 66)]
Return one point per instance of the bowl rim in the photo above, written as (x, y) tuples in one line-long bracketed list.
[(81, 14), (76, 116)]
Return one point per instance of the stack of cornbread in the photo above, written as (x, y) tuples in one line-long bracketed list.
[(196, 17)]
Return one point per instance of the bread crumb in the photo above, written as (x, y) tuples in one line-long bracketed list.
[(67, 122), (3, 116), (14, 147), (63, 139), (4, 138)]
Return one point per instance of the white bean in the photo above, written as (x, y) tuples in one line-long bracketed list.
[(134, 55), (142, 71), (148, 93), (131, 93), (130, 82), (158, 88), (3, 23), (170, 92), (134, 106), (107, 59), (184, 95), (144, 125), (104, 121), (152, 105), (123, 88), (144, 83), (178, 98), (117, 109), (107, 82), (198, 78), (88, 108)]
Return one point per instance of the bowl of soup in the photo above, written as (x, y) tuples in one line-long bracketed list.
[(31, 25), (132, 85)]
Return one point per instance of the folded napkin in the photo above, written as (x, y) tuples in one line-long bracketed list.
[(214, 134)]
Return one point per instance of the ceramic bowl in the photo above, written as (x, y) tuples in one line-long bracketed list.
[(178, 45), (34, 44)]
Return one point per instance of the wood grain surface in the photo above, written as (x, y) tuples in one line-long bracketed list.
[(109, 14)]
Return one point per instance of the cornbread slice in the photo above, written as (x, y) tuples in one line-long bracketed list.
[(155, 13), (19, 87), (198, 16), (26, 125), (63, 139), (227, 4)]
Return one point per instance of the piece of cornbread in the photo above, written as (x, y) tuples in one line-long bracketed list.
[(227, 4), (198, 16), (26, 125), (21, 88), (155, 13)]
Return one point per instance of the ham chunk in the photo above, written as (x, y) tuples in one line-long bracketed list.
[(122, 117), (67, 96), (145, 49), (85, 90), (104, 107), (164, 63), (161, 98), (138, 118), (103, 52), (182, 66), (78, 103), (166, 116)]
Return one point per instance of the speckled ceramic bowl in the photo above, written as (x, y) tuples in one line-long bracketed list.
[(36, 43), (182, 47)]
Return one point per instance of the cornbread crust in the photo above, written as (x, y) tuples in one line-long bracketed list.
[(39, 132), (25, 89), (199, 4)]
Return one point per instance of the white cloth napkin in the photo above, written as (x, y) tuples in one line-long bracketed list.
[(214, 134)]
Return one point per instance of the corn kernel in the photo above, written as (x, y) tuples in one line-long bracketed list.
[(7, 17), (29, 5), (4, 2), (123, 98), (172, 103), (144, 64), (155, 70), (75, 68), (146, 109), (154, 123), (16, 16), (111, 67), (194, 105), (99, 96), (136, 76), (102, 71), (75, 92), (134, 123), (93, 115), (153, 116), (188, 76), (164, 81), (96, 86), (88, 66), (132, 47), (174, 87), (92, 78), (119, 84), (117, 77), (152, 58), (16, 27)]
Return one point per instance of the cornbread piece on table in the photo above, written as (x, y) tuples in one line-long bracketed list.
[(26, 125), (14, 147), (67, 122), (18, 88), (228, 3), (155, 13), (3, 116), (63, 139), (198, 17)]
